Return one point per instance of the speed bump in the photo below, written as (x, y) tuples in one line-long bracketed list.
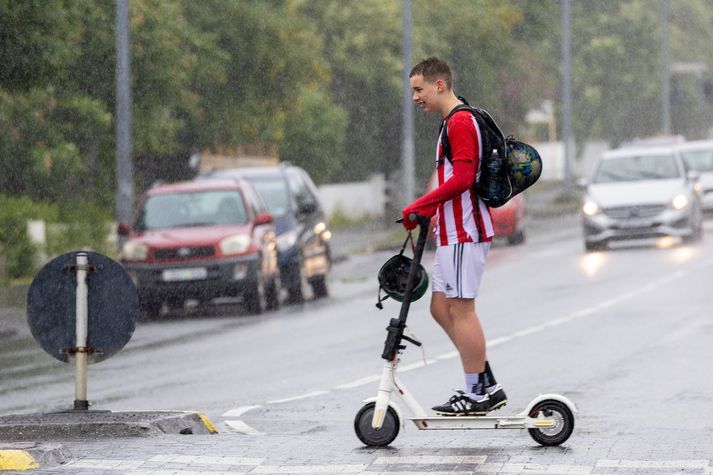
[(17, 460)]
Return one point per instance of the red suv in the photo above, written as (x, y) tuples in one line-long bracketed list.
[(202, 240)]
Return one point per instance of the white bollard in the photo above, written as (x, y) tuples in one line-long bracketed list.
[(82, 318)]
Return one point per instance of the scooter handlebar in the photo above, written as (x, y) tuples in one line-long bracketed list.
[(422, 221)]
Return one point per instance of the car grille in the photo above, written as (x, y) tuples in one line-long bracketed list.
[(634, 212), (184, 252)]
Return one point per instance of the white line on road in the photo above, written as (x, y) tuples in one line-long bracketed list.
[(583, 312), (359, 382), (654, 464), (309, 469), (239, 411), (431, 459), (243, 428), (205, 459), (295, 398)]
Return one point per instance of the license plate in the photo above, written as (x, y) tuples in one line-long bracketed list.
[(195, 273), (635, 223)]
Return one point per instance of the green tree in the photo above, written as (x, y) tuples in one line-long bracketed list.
[(315, 133), (362, 47)]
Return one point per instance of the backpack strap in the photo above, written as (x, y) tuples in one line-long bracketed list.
[(445, 145)]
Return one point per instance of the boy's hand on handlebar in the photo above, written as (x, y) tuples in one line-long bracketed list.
[(407, 223)]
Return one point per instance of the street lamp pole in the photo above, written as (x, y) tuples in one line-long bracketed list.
[(407, 149), (567, 92), (665, 72), (124, 166)]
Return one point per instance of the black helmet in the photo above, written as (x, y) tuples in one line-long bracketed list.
[(393, 277)]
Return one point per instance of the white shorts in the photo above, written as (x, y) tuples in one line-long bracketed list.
[(458, 269)]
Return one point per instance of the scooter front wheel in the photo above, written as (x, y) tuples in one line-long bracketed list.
[(563, 422), (376, 437)]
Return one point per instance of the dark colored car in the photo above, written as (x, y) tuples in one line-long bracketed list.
[(202, 240), (302, 234)]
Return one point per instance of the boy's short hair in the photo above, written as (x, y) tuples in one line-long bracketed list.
[(433, 69)]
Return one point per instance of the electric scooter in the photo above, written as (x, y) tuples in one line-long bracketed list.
[(549, 418)]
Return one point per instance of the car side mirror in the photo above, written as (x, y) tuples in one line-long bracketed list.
[(693, 175), (263, 218), (582, 183), (307, 208), (123, 229)]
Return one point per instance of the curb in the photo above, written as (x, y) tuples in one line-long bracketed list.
[(102, 424)]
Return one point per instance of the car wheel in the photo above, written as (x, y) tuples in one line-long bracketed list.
[(272, 297), (255, 301), (595, 246), (296, 292), (517, 238), (319, 287), (696, 230), (151, 308)]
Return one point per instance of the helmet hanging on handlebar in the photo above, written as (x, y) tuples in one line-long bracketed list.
[(393, 277)]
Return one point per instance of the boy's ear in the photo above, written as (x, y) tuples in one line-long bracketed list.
[(440, 85)]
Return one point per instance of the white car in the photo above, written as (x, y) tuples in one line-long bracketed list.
[(698, 156), (641, 192)]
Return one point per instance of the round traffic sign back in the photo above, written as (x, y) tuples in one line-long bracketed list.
[(113, 306)]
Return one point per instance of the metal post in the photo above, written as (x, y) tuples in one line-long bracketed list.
[(124, 166), (567, 93), (665, 72), (407, 150), (82, 326)]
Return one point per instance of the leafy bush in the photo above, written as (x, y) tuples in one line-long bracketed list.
[(15, 244), (69, 227)]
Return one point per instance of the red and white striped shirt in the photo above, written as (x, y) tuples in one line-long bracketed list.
[(462, 215)]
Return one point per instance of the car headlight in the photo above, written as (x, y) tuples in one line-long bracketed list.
[(134, 251), (320, 229), (680, 201), (237, 244), (590, 207), (286, 240)]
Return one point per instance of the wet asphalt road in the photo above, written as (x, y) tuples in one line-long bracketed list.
[(625, 334)]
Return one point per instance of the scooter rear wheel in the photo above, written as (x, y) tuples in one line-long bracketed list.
[(564, 422), (376, 437)]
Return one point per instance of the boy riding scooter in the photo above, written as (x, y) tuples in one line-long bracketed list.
[(464, 233)]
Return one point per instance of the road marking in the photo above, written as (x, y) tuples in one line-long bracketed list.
[(654, 464), (533, 468), (479, 462), (431, 459), (309, 469), (416, 365), (242, 427), (359, 382), (107, 464), (205, 460), (239, 411), (491, 343), (295, 398), (583, 312)]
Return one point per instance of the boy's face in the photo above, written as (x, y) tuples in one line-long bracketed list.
[(426, 94)]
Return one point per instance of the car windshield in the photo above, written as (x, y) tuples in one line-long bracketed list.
[(203, 208), (637, 168), (275, 194), (699, 160)]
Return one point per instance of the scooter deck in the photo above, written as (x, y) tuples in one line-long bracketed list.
[(481, 422)]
